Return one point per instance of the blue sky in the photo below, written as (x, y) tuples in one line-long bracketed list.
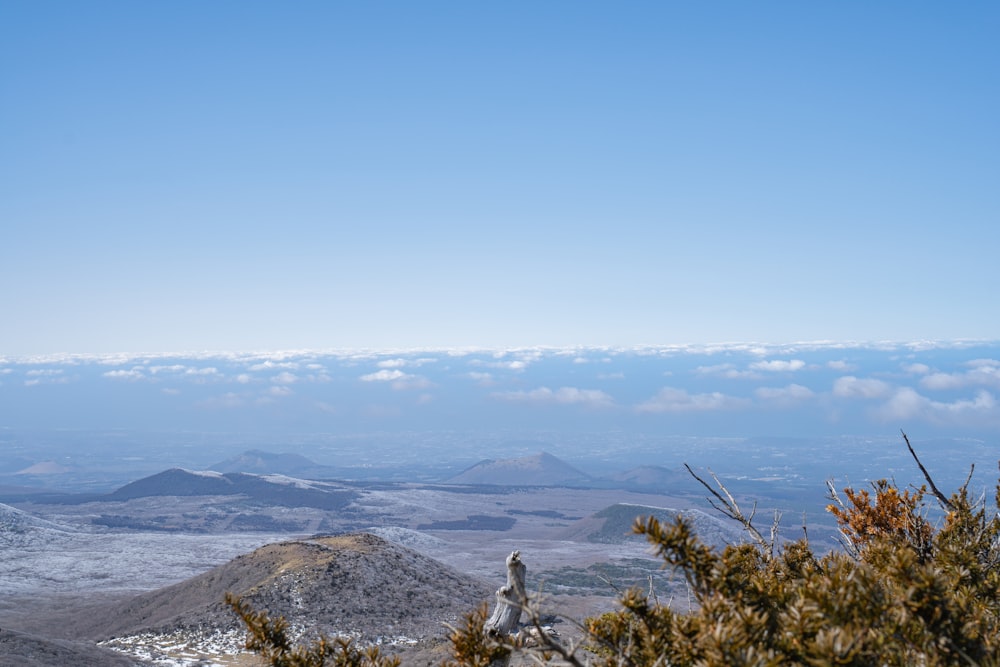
[(181, 176)]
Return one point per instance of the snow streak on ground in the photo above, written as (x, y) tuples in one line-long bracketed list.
[(182, 649), (210, 648), (49, 561)]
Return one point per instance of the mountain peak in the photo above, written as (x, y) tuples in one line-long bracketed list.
[(262, 462), (542, 469), (353, 583)]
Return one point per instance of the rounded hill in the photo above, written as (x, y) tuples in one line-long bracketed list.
[(355, 584)]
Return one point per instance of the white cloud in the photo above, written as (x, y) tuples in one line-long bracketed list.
[(788, 395), (172, 368), (671, 399), (726, 371), (398, 378), (484, 379), (280, 391), (384, 376), (982, 372), (400, 362), (943, 381), (593, 398), (916, 369), (209, 370), (284, 378), (778, 365), (272, 365), (243, 378), (133, 374), (519, 363), (40, 376), (294, 358), (849, 386), (908, 404)]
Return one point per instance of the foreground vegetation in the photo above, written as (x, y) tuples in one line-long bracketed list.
[(905, 590)]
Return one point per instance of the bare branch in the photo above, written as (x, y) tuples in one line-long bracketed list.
[(774, 529), (539, 639), (943, 499), (834, 496), (965, 484), (850, 546), (731, 509)]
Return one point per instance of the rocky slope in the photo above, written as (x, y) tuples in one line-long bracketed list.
[(357, 585)]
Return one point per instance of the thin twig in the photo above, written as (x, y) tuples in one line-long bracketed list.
[(546, 642), (943, 499), (965, 485), (731, 509), (774, 530), (846, 541)]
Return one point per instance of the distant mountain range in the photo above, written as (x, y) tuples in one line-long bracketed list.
[(272, 480), (270, 489), (547, 470), (273, 483)]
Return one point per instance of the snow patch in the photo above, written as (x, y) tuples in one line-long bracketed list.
[(203, 473), (284, 480), (407, 537), (204, 648)]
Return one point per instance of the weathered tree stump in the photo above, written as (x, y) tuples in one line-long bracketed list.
[(511, 600)]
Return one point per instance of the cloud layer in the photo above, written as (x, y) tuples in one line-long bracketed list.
[(951, 388)]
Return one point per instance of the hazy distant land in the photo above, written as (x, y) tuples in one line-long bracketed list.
[(121, 475)]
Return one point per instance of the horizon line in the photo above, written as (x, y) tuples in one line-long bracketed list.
[(758, 347)]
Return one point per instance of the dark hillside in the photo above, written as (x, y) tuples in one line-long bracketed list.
[(177, 482), (267, 489), (25, 650)]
